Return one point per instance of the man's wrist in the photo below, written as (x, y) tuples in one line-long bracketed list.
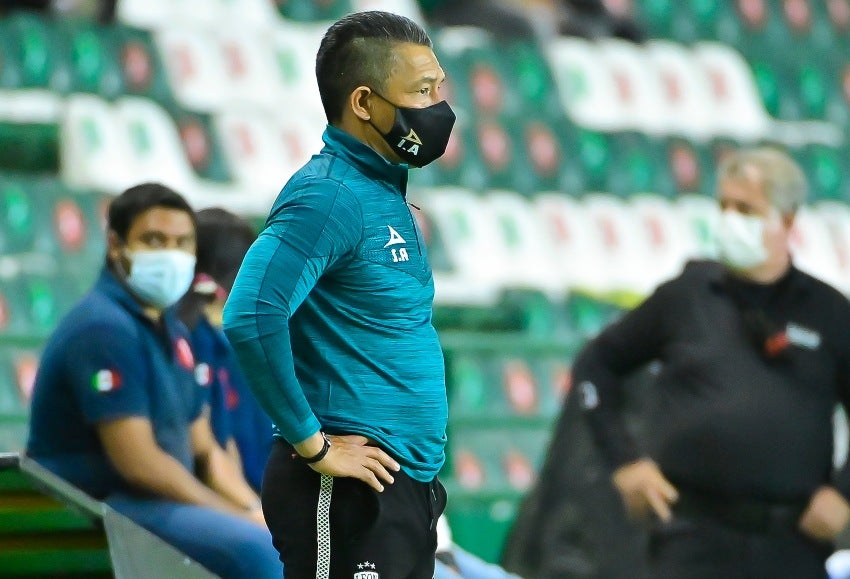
[(326, 446)]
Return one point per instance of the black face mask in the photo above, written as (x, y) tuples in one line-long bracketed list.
[(420, 136)]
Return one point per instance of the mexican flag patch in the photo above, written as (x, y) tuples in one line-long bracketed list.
[(106, 381)]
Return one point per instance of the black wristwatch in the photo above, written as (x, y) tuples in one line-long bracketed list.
[(326, 446)]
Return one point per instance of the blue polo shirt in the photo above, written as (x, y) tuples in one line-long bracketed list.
[(105, 361), (330, 313), (234, 412)]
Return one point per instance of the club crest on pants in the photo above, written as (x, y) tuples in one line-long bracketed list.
[(369, 572)]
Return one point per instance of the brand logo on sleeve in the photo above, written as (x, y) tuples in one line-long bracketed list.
[(396, 239)]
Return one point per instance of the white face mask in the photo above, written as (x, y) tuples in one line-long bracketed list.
[(161, 276), (740, 239)]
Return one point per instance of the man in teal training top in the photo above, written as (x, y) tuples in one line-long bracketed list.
[(330, 316)]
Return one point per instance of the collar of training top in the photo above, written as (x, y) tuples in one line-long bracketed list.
[(365, 158), (793, 280)]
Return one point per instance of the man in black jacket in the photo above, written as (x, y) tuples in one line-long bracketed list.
[(736, 472)]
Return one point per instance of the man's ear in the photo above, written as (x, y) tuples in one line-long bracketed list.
[(113, 246), (360, 104)]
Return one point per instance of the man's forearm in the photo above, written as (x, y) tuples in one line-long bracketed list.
[(221, 473), (167, 478)]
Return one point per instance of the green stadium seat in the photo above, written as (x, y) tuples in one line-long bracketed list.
[(593, 150), (311, 11), (527, 68), (690, 165), (711, 20), (826, 171), (11, 398), (141, 67), (656, 16), (92, 58), (42, 65), (11, 67), (17, 375), (636, 165), (469, 382), (461, 164), (481, 523), (545, 162), (491, 469), (201, 146), (590, 315), (17, 217)]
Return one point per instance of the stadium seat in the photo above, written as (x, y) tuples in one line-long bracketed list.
[(685, 90), (35, 50), (656, 16), (546, 164), (814, 249), (409, 8), (195, 67), (636, 164), (142, 68), (254, 151), (144, 13), (835, 215), (524, 246), (78, 220), (666, 242), (17, 217), (94, 148), (738, 109), (826, 172), (624, 250), (577, 244), (202, 146), (463, 163), (699, 215), (92, 58), (257, 14), (294, 49), (475, 246), (638, 86), (249, 68), (454, 216), (154, 148), (526, 67), (587, 89), (310, 11)]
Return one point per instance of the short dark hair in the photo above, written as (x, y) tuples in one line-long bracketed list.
[(356, 51), (124, 209), (223, 239)]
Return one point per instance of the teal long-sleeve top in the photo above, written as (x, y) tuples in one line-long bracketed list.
[(330, 314)]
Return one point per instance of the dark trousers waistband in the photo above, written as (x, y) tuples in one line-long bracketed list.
[(750, 515)]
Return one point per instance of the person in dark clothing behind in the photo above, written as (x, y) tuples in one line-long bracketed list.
[(737, 470), (239, 424)]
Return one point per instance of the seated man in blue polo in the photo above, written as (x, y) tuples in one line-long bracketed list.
[(239, 424), (117, 409)]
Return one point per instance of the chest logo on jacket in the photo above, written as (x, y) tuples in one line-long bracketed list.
[(399, 254)]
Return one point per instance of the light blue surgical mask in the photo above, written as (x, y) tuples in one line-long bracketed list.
[(160, 276)]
